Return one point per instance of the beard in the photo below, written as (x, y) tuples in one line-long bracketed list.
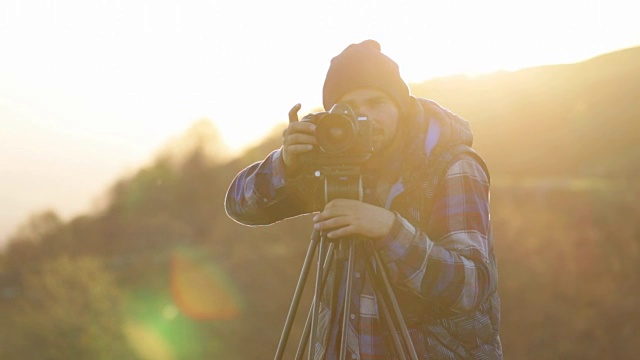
[(380, 140), (386, 150)]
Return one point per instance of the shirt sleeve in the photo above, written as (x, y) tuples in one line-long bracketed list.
[(261, 194), (453, 266)]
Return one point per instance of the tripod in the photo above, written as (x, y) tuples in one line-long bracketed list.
[(345, 183)]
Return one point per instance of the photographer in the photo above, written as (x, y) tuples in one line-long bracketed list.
[(425, 206)]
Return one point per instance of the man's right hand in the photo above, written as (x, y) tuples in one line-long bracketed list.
[(299, 137)]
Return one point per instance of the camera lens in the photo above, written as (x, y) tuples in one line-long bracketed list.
[(334, 133)]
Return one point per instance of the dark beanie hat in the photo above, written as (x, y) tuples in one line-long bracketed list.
[(364, 66)]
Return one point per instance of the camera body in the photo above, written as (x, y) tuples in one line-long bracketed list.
[(343, 138)]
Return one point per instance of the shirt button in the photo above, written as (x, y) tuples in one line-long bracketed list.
[(353, 316), (354, 356), (358, 275), (264, 200)]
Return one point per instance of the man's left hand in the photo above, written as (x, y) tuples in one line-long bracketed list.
[(342, 217)]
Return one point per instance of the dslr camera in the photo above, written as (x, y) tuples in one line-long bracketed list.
[(343, 138)]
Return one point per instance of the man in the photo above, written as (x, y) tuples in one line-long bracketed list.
[(425, 207)]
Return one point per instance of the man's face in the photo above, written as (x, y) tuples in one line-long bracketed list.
[(380, 109)]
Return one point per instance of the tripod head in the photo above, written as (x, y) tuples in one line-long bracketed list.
[(341, 182)]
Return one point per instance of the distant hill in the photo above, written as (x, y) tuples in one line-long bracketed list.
[(570, 120), (193, 283)]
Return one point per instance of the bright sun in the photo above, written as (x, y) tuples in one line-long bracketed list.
[(427, 39), (109, 83)]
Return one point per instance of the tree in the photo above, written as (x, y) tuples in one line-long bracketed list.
[(71, 309)]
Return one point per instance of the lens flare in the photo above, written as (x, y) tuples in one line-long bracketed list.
[(146, 343), (156, 330), (201, 289)]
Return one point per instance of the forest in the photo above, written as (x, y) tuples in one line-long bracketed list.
[(158, 271)]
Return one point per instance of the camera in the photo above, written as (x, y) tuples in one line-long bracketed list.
[(343, 138)]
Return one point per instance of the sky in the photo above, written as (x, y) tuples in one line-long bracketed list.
[(91, 90)]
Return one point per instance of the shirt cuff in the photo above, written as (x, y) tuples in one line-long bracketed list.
[(277, 170), (396, 243)]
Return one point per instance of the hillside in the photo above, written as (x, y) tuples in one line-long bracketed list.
[(160, 271), (572, 120)]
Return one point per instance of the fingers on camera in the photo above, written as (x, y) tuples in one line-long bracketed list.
[(293, 113)]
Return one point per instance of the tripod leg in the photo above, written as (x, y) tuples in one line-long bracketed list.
[(347, 300), (383, 281), (397, 344), (307, 326), (297, 294), (383, 308), (315, 308)]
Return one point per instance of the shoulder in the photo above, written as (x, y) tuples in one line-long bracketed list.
[(468, 165)]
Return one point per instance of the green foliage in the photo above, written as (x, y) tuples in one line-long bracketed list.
[(116, 284), (70, 309), (37, 226)]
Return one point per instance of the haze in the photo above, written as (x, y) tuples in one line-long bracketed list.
[(90, 91)]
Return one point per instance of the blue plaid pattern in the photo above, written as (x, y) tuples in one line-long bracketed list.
[(446, 263)]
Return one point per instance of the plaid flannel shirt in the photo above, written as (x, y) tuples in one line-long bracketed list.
[(450, 266)]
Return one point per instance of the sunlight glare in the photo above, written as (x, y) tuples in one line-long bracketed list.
[(202, 290), (117, 80)]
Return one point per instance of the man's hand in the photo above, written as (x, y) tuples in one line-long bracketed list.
[(299, 137), (342, 217)]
